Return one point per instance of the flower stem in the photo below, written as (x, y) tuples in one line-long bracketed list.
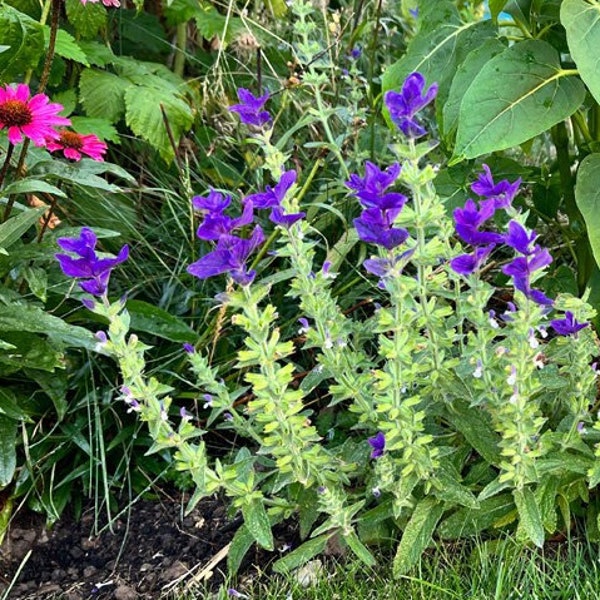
[(6, 164)]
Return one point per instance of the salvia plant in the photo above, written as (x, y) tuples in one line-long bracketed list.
[(469, 391)]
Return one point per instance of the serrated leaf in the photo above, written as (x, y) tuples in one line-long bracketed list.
[(257, 522), (25, 37), (581, 19), (465, 74), (417, 534), (466, 522), (98, 54), (587, 197), (475, 426), (516, 96), (144, 116), (66, 46), (302, 554), (87, 19), (15, 227), (8, 449), (102, 128), (530, 518), (103, 94)]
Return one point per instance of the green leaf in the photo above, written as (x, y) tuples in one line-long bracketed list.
[(302, 554), (240, 544), (529, 515), (466, 522), (98, 54), (417, 534), (144, 116), (587, 197), (433, 14), (99, 127), (66, 46), (31, 186), (359, 549), (10, 405), (31, 351), (37, 280), (475, 426), (496, 7), (8, 449), (25, 36), (450, 490), (436, 54), (151, 319), (87, 19), (546, 499), (102, 94), (465, 74), (581, 19), (23, 317), (12, 230), (257, 522), (55, 386), (516, 96), (83, 173)]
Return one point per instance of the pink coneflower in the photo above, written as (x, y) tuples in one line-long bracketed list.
[(32, 117), (74, 145)]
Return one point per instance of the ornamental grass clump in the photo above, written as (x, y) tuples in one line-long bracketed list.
[(454, 413)]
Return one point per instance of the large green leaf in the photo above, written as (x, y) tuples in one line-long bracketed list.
[(67, 47), (516, 96), (581, 19), (587, 196), (151, 319), (102, 94), (530, 518), (463, 79), (145, 118), (417, 534), (302, 554), (437, 53), (8, 449), (25, 36), (23, 317), (87, 19)]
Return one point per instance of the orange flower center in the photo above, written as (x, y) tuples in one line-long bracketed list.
[(70, 139), (15, 113)]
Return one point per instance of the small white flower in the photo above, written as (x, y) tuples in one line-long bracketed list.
[(512, 378), (478, 372)]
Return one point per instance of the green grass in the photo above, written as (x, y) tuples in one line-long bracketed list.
[(495, 570)]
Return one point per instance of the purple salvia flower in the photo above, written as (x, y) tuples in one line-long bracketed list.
[(518, 238), (229, 256), (501, 194), (468, 221), (371, 189), (218, 224), (567, 326), (92, 270), (278, 217), (215, 202), (273, 196), (375, 227), (356, 53), (101, 337), (189, 348), (404, 105), (521, 269), (468, 263), (377, 442), (250, 108)]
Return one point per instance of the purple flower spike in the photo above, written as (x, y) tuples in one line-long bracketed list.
[(370, 189), (215, 202), (250, 108), (92, 270), (521, 269), (501, 194), (518, 238), (468, 221), (404, 105), (567, 326), (218, 224), (377, 442), (189, 348)]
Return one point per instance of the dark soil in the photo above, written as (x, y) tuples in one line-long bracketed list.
[(151, 547)]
